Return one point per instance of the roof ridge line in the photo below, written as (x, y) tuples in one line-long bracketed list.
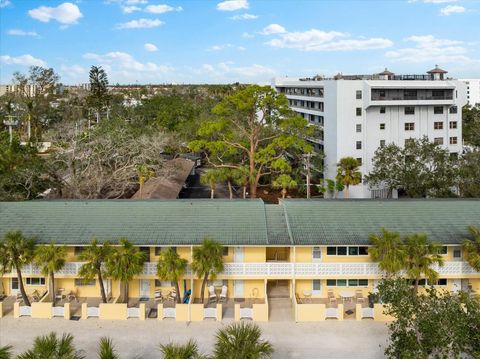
[(265, 222), (280, 203)]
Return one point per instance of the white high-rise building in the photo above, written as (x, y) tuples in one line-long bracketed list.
[(358, 113), (473, 91)]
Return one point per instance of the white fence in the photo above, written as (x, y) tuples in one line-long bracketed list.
[(169, 312), (332, 313), (133, 312), (93, 312), (367, 313), (246, 313), (58, 311), (281, 269), (210, 313), (25, 311)]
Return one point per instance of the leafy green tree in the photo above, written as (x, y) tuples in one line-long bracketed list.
[(106, 349), (189, 350), (94, 256), (171, 267), (98, 97), (207, 262), (387, 249), (285, 182), (469, 180), (471, 125), (16, 251), (6, 352), (255, 127), (348, 173), (241, 341), (420, 256), (125, 262), (51, 347), (240, 178), (50, 258), (212, 177), (419, 169), (431, 325), (471, 248)]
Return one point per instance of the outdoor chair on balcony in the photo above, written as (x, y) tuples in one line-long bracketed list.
[(60, 294), (158, 296), (223, 294), (331, 297), (359, 296), (212, 296)]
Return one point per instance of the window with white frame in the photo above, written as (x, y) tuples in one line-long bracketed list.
[(316, 253), (79, 282), (347, 282), (316, 286), (350, 251), (34, 281)]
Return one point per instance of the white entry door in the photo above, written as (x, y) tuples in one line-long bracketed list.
[(238, 254), (456, 285), (144, 288), (238, 289), (14, 286)]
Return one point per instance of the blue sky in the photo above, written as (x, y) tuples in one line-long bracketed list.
[(152, 41)]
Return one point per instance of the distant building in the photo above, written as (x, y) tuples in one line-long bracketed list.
[(473, 91), (28, 90), (356, 114)]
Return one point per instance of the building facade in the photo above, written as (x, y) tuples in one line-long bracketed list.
[(356, 114), (473, 91), (303, 251)]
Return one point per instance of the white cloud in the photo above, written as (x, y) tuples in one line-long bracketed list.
[(273, 29), (245, 16), (450, 9), (17, 32), (228, 69), (74, 73), (23, 60), (66, 13), (136, 1), (225, 46), (140, 24), (317, 40), (232, 5), (4, 3), (247, 35), (160, 9), (439, 1), (150, 47), (427, 48), (130, 8)]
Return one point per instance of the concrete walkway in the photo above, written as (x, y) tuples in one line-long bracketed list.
[(329, 339)]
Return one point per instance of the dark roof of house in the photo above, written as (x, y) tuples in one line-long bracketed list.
[(237, 222), (170, 185), (437, 70)]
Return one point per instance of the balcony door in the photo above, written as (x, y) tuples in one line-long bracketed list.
[(238, 255), (238, 289), (144, 288), (14, 286)]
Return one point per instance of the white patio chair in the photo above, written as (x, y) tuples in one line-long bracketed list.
[(359, 296), (212, 297), (223, 294), (59, 295), (331, 297), (158, 296)]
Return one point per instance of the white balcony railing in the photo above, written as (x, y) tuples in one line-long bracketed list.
[(280, 269)]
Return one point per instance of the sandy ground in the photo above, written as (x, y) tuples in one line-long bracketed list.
[(329, 339)]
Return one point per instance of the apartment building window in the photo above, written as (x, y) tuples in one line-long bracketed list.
[(457, 253), (225, 251), (316, 253), (79, 282), (453, 109), (351, 251), (359, 145), (359, 111), (336, 251), (453, 125), (358, 128), (316, 286), (347, 282), (358, 95), (453, 140), (438, 125), (382, 126), (382, 143), (409, 126), (443, 250), (438, 140), (78, 250), (34, 281), (359, 161), (438, 110), (158, 250), (410, 94), (382, 109), (409, 110)]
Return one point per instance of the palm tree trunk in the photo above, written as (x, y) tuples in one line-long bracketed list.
[(230, 189), (202, 293), (52, 287), (284, 193), (126, 293), (347, 192), (416, 285), (102, 287), (179, 297), (22, 288), (212, 193), (244, 192)]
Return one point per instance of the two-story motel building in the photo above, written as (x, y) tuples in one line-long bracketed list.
[(357, 114), (299, 248)]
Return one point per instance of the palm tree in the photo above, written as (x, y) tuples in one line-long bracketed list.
[(241, 341), (207, 262), (171, 267), (348, 173), (6, 352), (284, 182), (16, 251), (50, 258), (94, 256), (51, 347), (387, 249), (471, 248), (106, 349), (211, 177), (189, 350), (125, 262), (144, 173), (420, 255)]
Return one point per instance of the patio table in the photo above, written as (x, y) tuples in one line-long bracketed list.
[(346, 295)]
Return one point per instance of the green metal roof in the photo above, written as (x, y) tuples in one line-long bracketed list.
[(237, 222), (351, 221)]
